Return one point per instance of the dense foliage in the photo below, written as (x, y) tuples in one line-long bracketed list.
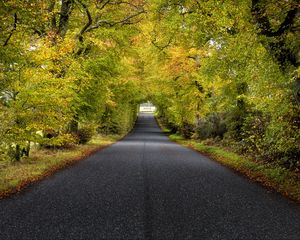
[(67, 71), (227, 71)]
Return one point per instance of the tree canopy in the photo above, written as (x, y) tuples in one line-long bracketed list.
[(221, 70)]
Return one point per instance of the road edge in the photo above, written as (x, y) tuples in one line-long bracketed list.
[(272, 177), (62, 165)]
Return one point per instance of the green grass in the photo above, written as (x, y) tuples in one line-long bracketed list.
[(43, 162), (270, 175)]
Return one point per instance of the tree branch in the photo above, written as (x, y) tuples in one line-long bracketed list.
[(124, 21), (88, 24), (103, 5), (12, 31), (161, 48)]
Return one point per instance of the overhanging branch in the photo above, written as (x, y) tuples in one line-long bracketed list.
[(124, 21)]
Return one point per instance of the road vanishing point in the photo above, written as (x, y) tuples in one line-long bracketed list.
[(147, 187)]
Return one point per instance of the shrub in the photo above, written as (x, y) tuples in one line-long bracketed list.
[(85, 134), (187, 130), (203, 130), (235, 119), (253, 132), (218, 126), (213, 126), (62, 140), (283, 138)]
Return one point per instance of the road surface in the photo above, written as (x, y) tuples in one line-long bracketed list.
[(146, 187)]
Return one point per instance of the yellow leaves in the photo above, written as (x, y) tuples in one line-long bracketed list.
[(127, 60), (179, 62), (47, 53), (110, 103), (184, 61), (102, 44), (202, 52)]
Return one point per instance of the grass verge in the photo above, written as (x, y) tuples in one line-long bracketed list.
[(272, 176), (43, 162)]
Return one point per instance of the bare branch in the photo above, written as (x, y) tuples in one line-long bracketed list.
[(103, 5), (13, 30), (126, 19)]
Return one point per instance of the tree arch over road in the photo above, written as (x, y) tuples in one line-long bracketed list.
[(223, 70)]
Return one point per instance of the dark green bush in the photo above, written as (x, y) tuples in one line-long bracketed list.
[(187, 130), (218, 126), (234, 122), (283, 139), (213, 126), (172, 127), (85, 134), (203, 130)]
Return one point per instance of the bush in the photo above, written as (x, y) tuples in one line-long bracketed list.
[(62, 140), (213, 126), (85, 134), (203, 130), (172, 127), (218, 126), (283, 140), (253, 132), (187, 130), (235, 119)]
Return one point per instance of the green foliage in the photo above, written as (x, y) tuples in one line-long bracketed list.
[(228, 71), (222, 70), (58, 74), (118, 120)]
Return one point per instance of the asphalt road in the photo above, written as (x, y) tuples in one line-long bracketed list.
[(146, 187)]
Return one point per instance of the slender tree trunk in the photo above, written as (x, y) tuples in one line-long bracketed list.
[(53, 17), (28, 148), (74, 126), (18, 153)]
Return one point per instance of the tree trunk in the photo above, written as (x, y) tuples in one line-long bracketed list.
[(73, 127), (18, 153), (53, 17), (27, 150), (65, 11)]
